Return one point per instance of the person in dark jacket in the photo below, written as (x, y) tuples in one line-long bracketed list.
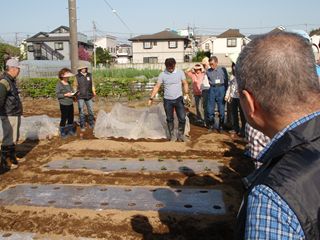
[(65, 96), (85, 87), (280, 92), (10, 113)]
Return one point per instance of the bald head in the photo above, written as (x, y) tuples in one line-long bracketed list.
[(279, 71)]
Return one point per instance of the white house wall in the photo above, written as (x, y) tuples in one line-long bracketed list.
[(161, 51), (107, 43), (220, 46)]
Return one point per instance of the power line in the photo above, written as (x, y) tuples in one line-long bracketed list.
[(118, 16)]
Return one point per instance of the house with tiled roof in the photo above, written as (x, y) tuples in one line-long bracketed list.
[(54, 45), (205, 42), (228, 42), (155, 48)]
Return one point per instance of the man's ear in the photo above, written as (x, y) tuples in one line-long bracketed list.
[(249, 103), (253, 110)]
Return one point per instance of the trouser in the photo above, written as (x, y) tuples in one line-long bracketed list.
[(178, 106), (197, 100), (67, 114), (235, 104), (205, 94), (216, 95), (89, 104), (235, 110), (10, 128)]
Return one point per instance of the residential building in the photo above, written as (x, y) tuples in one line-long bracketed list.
[(155, 48), (230, 41), (205, 43), (109, 43), (54, 45), (124, 54)]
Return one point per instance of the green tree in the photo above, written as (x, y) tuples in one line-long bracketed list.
[(103, 56), (7, 51), (200, 55)]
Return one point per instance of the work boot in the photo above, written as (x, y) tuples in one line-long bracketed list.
[(171, 131), (63, 132), (221, 125), (4, 165), (181, 136), (12, 154), (71, 130), (210, 125)]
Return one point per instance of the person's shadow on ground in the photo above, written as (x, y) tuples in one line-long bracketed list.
[(22, 150), (181, 226), (25, 147)]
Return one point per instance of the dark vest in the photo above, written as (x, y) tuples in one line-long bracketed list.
[(12, 105), (292, 170), (84, 86)]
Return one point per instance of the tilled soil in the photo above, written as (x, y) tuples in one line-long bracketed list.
[(115, 224)]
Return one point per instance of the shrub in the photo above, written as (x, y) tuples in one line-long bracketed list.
[(108, 83)]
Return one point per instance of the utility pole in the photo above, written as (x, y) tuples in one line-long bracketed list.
[(306, 28), (94, 45), (16, 39), (73, 35)]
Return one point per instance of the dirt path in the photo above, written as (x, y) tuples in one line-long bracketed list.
[(114, 224)]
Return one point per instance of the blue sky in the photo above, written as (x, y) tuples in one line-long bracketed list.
[(21, 18)]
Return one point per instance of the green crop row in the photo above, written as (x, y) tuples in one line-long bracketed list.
[(107, 87), (125, 73)]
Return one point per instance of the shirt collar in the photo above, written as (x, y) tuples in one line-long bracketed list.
[(291, 126), (174, 71)]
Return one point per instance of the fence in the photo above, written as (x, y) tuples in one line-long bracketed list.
[(50, 69)]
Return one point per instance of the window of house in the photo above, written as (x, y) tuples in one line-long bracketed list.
[(58, 45), (30, 48), (207, 46), (155, 43), (150, 60), (147, 45), (173, 44), (231, 42)]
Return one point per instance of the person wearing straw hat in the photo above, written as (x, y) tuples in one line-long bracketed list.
[(197, 75), (10, 114), (84, 84), (65, 96)]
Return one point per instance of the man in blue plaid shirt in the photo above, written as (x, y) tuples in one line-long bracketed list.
[(279, 94)]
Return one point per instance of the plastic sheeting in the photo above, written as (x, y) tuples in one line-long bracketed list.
[(36, 128), (132, 123)]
